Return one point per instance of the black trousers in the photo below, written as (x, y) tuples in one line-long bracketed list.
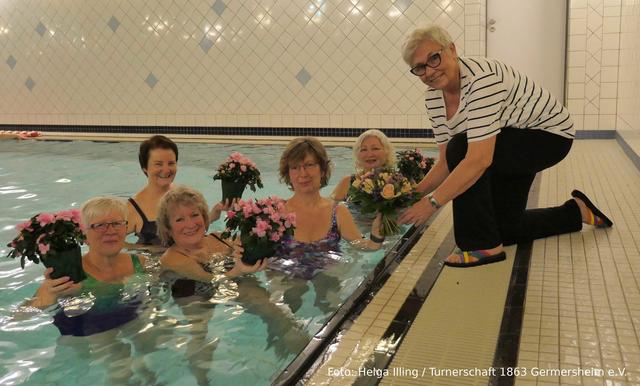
[(493, 210)]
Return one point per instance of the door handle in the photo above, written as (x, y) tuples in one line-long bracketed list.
[(491, 22)]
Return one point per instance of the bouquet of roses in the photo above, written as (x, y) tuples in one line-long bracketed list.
[(262, 225), (54, 239), (413, 164), (383, 190), (236, 172)]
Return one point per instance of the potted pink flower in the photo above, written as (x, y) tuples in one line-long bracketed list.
[(54, 239), (261, 224), (236, 172)]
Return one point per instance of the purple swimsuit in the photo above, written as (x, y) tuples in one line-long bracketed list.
[(305, 260)]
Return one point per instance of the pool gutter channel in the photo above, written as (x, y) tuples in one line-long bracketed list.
[(402, 321), (311, 356)]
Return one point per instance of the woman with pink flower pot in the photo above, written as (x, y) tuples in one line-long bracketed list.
[(195, 270), (107, 270), (158, 158), (194, 256)]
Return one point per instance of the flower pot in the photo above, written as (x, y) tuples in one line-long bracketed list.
[(232, 190), (66, 263), (254, 252)]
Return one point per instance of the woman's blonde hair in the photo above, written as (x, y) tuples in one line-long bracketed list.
[(418, 36), (390, 161), (179, 195), (297, 150), (100, 206)]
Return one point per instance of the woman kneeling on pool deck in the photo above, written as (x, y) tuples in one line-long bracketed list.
[(371, 150), (495, 130), (107, 268)]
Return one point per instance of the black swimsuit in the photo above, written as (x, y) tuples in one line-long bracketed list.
[(181, 287), (148, 232)]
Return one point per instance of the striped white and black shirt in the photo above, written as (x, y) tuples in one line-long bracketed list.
[(492, 96)]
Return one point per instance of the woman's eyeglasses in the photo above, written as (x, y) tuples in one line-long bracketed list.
[(102, 227), (305, 166), (433, 61)]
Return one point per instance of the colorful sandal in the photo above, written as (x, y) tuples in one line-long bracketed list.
[(596, 217), (483, 257)]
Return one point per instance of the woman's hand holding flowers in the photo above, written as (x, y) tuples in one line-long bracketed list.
[(241, 268), (220, 207), (418, 213), (53, 289)]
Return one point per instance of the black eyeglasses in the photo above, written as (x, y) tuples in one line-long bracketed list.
[(102, 227), (433, 61)]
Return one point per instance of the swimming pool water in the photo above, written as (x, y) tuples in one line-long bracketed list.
[(246, 335)]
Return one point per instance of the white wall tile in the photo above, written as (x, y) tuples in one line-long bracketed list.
[(609, 90), (607, 106), (248, 76), (607, 122)]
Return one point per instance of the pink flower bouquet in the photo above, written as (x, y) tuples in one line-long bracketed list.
[(413, 164), (54, 239), (236, 172), (385, 191), (262, 225)]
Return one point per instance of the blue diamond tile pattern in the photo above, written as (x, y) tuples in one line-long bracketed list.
[(218, 7), (206, 44), (41, 29), (303, 76), (11, 61), (151, 80), (30, 84), (402, 5), (113, 23)]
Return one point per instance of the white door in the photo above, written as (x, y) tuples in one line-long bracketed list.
[(530, 35)]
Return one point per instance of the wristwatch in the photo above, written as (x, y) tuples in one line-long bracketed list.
[(433, 201)]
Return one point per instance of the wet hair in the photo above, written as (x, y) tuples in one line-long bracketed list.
[(180, 195), (390, 161), (100, 206), (155, 142), (418, 36), (295, 153)]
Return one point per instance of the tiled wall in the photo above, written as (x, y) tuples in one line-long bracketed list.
[(603, 74), (278, 63), (629, 78), (592, 63)]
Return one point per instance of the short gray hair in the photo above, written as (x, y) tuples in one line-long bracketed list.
[(390, 161), (100, 206), (418, 36)]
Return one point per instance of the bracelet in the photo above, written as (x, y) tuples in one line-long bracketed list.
[(433, 201), (375, 238)]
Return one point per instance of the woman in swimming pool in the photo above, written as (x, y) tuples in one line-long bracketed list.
[(320, 225), (158, 158), (182, 225), (194, 267), (117, 281), (305, 167), (107, 268), (371, 150)]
